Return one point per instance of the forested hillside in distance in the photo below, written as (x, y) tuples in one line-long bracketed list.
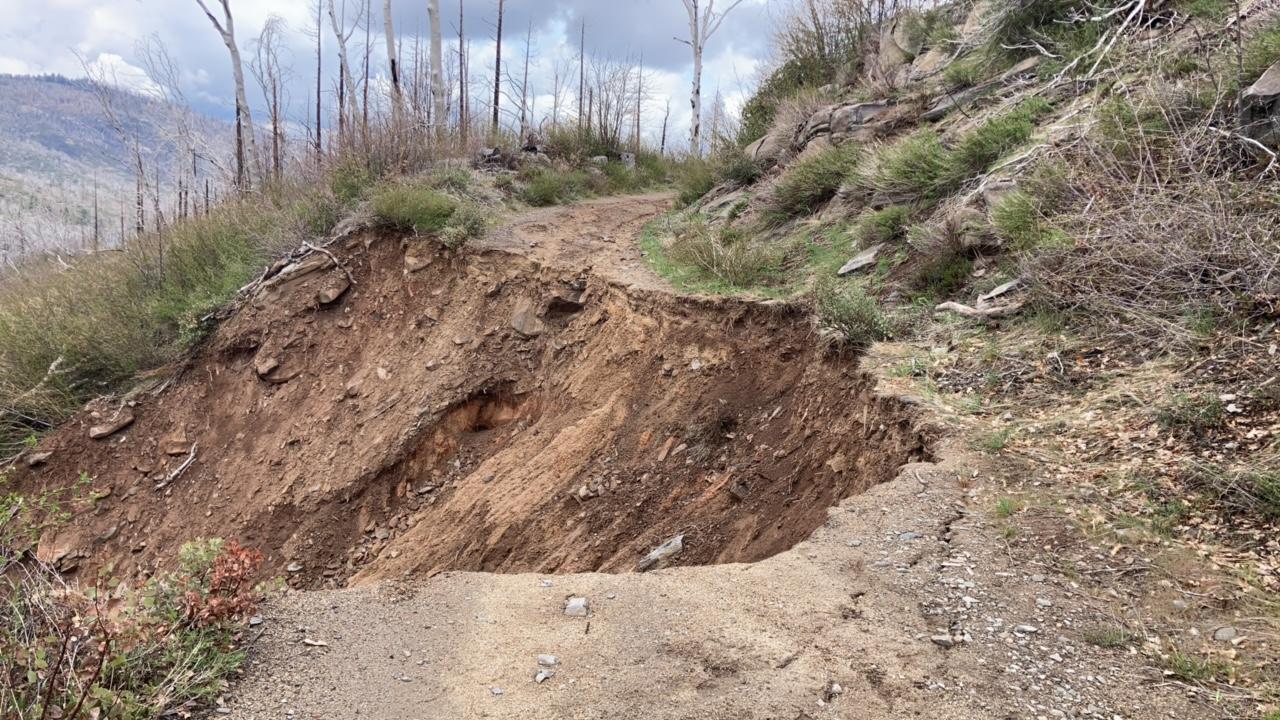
[(57, 144)]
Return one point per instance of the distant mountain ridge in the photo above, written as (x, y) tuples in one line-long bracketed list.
[(57, 143)]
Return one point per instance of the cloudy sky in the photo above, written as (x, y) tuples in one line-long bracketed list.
[(50, 36)]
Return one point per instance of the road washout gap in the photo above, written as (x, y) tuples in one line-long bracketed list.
[(510, 408)]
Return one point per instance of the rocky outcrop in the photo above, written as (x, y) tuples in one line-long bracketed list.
[(1259, 113)]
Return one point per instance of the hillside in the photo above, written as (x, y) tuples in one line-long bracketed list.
[(948, 386), (56, 142)]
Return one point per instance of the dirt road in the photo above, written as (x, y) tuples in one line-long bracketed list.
[(901, 603)]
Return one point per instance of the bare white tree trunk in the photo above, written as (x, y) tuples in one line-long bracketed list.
[(393, 62), (437, 66), (244, 118), (348, 107), (704, 21)]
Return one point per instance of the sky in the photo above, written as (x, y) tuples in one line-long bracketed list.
[(57, 36)]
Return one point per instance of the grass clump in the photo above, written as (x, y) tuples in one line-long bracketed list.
[(1006, 507), (1192, 415), (850, 313), (919, 166), (811, 181), (978, 150), (724, 253), (1198, 670), (1253, 489), (964, 73), (1021, 220), (884, 225), (1109, 636), (103, 652), (547, 186), (1260, 52), (913, 167), (698, 176), (415, 207), (994, 441)]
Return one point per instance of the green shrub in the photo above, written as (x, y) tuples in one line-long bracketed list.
[(412, 207), (349, 180), (811, 181), (883, 225), (467, 223), (848, 311), (548, 186)]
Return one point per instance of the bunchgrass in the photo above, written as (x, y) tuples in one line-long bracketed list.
[(810, 182), (412, 206)]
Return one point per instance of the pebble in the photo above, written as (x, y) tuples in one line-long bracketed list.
[(548, 660), (1044, 602), (496, 691), (1225, 634), (544, 675), (577, 607)]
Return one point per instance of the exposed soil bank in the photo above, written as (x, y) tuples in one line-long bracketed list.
[(481, 412)]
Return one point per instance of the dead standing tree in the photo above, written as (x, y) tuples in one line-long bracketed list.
[(704, 21), (497, 71), (347, 106), (393, 64), (244, 118), (438, 88), (271, 77)]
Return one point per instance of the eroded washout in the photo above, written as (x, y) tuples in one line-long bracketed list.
[(417, 410)]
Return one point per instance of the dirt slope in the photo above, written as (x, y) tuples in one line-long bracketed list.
[(486, 412), (542, 407)]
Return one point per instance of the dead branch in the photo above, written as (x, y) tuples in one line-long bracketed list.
[(350, 278), (191, 458), (996, 311)]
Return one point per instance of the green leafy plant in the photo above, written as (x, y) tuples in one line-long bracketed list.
[(467, 223)]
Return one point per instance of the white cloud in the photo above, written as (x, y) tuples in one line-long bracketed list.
[(45, 36)]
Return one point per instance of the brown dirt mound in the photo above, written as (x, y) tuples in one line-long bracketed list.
[(484, 412)]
